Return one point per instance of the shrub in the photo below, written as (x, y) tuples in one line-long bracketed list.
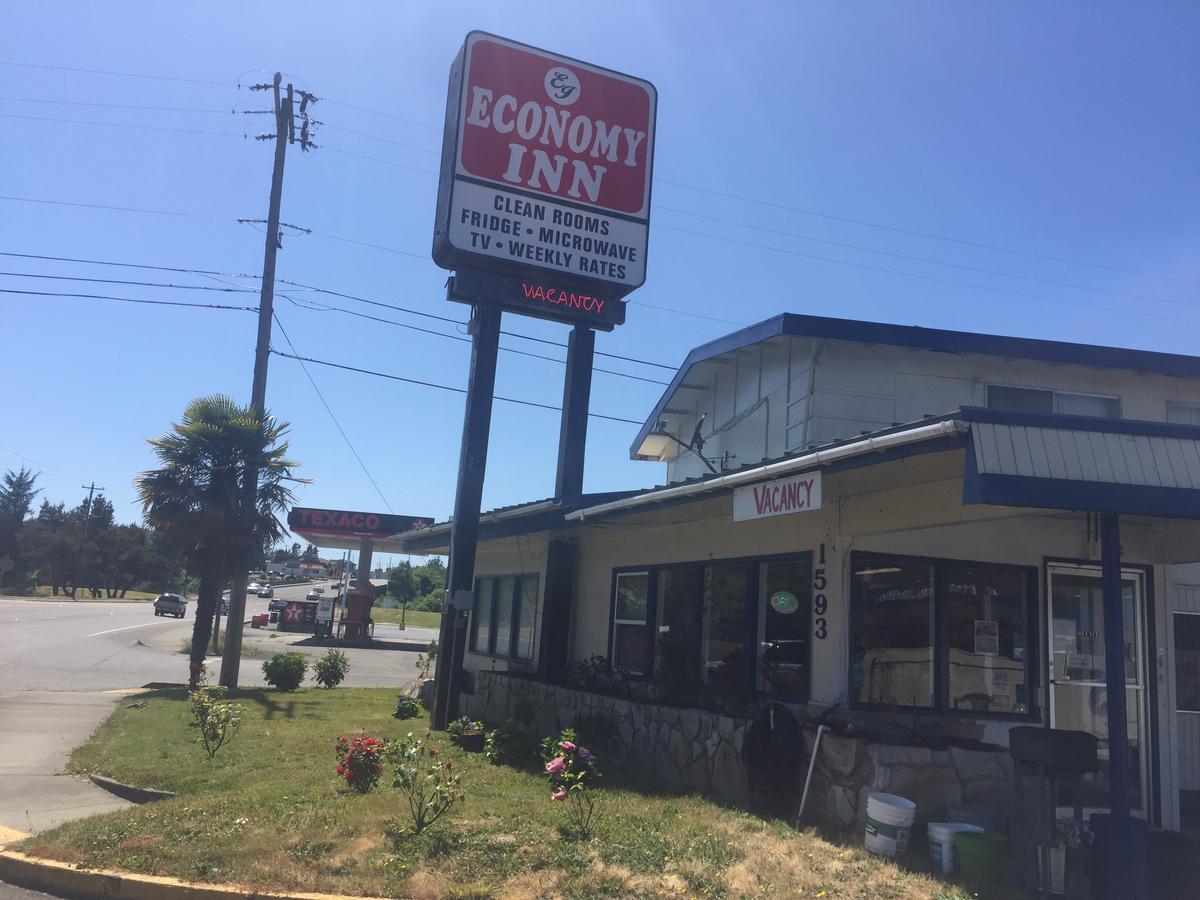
[(464, 725), (360, 761), (330, 669), (430, 785), (571, 770), (426, 660), (285, 671), (594, 674), (216, 722), (408, 707), (510, 745)]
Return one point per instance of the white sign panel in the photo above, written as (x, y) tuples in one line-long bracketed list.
[(799, 493)]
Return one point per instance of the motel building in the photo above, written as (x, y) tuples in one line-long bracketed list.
[(900, 529)]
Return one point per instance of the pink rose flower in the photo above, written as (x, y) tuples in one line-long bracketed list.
[(560, 794), (556, 765), (567, 745)]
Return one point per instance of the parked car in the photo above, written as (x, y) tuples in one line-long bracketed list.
[(318, 590), (266, 590), (314, 595), (252, 587), (170, 605), (277, 604), (225, 603)]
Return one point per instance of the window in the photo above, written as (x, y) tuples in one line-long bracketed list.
[(986, 610), (1187, 662), (504, 616), (724, 621), (1036, 400), (631, 647), (941, 634), (784, 626), (893, 638), (1183, 413), (717, 623)]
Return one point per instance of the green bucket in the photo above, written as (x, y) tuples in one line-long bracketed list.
[(980, 854)]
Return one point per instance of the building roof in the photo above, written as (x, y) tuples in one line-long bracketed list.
[(937, 339), (505, 521)]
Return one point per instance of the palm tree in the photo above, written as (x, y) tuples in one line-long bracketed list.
[(195, 499)]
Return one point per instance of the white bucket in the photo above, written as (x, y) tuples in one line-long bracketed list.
[(889, 818), (941, 844)]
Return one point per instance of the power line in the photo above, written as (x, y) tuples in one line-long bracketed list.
[(110, 72), (386, 162), (920, 259), (314, 289), (442, 387), (373, 137), (915, 233), (154, 284), (376, 112), (962, 284), (329, 410), (181, 109), (122, 125), (455, 337), (128, 300), (109, 207)]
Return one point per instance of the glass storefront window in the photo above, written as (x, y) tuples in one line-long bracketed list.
[(986, 609), (631, 648), (784, 627), (724, 621), (893, 633)]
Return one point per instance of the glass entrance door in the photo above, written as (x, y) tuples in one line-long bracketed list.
[(1078, 692)]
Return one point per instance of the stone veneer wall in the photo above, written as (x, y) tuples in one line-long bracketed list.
[(701, 751)]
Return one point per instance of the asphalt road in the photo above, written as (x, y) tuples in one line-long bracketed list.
[(64, 665), (66, 646)]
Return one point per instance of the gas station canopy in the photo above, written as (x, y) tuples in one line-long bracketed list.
[(345, 529)]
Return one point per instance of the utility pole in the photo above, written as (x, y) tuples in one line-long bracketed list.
[(87, 514), (285, 133)]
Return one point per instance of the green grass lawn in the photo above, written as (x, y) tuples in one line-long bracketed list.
[(413, 618), (270, 813), (44, 592)]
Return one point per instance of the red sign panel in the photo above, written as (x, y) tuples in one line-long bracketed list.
[(546, 166)]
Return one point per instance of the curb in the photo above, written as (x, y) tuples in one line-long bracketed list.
[(66, 880), (128, 791)]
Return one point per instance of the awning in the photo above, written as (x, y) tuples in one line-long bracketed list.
[(1082, 463)]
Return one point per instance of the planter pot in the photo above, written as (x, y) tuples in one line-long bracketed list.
[(472, 741)]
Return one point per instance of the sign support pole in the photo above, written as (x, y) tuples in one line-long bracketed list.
[(464, 536), (572, 432)]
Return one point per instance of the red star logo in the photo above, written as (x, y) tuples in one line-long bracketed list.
[(293, 612)]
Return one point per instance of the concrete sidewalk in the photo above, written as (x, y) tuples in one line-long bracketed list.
[(38, 731)]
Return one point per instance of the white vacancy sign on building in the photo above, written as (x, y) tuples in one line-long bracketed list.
[(799, 493)]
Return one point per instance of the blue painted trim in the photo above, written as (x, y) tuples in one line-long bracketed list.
[(1090, 496), (936, 339), (1080, 423)]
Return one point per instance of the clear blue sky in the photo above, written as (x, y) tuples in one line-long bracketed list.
[(1066, 129)]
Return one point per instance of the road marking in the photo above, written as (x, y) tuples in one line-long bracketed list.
[(126, 628)]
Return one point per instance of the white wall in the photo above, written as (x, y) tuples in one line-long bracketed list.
[(785, 393)]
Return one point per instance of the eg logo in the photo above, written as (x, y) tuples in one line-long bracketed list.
[(562, 85)]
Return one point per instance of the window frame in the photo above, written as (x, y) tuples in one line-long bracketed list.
[(941, 636), (751, 566), (1054, 393), (649, 624), (493, 602), (1182, 404), (1175, 654)]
